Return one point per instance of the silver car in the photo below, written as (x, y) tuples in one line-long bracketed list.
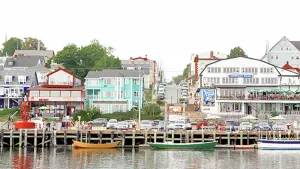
[(146, 125)]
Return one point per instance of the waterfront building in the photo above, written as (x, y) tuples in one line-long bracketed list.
[(114, 90), (283, 51), (146, 65), (15, 83), (241, 85), (62, 94)]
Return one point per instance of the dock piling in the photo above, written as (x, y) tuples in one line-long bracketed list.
[(172, 136), (123, 138), (25, 138), (11, 138), (187, 136), (133, 138), (20, 138), (248, 133), (146, 137), (228, 138), (241, 138), (155, 135), (54, 139), (43, 138), (112, 136), (35, 138), (202, 136), (192, 136), (2, 138), (89, 136), (100, 136), (214, 135), (165, 134), (65, 137)]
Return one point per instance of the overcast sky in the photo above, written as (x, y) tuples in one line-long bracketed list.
[(167, 31)]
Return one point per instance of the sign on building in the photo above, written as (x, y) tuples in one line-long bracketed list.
[(209, 97)]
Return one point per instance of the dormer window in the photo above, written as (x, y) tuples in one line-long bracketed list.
[(22, 79), (8, 79)]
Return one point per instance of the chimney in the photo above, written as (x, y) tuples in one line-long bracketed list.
[(241, 52), (211, 54)]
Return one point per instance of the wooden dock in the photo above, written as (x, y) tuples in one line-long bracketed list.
[(136, 138)]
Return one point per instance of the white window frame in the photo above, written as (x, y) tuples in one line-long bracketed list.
[(93, 80), (136, 94), (126, 94), (22, 78), (126, 81), (8, 79)]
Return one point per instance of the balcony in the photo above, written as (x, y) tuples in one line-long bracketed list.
[(93, 97), (261, 97)]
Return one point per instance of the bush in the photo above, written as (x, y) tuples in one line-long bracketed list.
[(151, 109), (87, 115), (160, 102)]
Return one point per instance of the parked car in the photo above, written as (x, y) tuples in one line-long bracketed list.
[(262, 126), (279, 126), (112, 124), (161, 125), (161, 91), (231, 125), (131, 123), (123, 125), (184, 88), (161, 96), (171, 125), (246, 126), (146, 125), (102, 122), (38, 122), (180, 125), (188, 124), (201, 124)]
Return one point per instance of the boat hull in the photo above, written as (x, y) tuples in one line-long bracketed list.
[(200, 145), (278, 144), (24, 125), (77, 144)]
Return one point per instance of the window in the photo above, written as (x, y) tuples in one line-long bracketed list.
[(55, 93), (75, 93), (126, 94), (22, 79), (108, 81), (276, 56), (292, 57), (211, 80), (266, 70), (227, 80), (136, 94), (269, 80), (126, 81), (44, 93), (108, 94), (34, 93), (272, 57), (251, 81), (230, 70), (65, 93), (249, 70), (281, 48), (8, 79), (43, 76), (136, 81), (93, 82)]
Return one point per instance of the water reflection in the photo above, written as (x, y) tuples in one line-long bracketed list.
[(66, 157)]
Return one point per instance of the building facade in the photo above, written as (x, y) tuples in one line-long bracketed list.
[(14, 84), (238, 86), (114, 90), (283, 51), (61, 94)]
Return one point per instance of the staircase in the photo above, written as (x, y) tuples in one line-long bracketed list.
[(260, 115), (194, 116)]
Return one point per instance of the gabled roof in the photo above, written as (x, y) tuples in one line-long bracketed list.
[(276, 67), (61, 69), (114, 73), (24, 61), (48, 53)]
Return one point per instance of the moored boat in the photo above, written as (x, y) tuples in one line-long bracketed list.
[(77, 144), (198, 145), (278, 144)]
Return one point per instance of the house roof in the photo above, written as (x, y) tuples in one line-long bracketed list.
[(30, 72), (296, 44), (24, 61), (145, 68), (48, 53), (276, 67), (46, 88), (114, 73), (61, 69)]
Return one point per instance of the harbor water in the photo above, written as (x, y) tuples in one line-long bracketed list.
[(66, 157)]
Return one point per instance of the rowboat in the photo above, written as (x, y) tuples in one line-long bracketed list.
[(77, 144), (278, 144), (199, 145)]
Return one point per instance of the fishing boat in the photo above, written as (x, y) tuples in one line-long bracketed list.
[(278, 144), (199, 145), (77, 144)]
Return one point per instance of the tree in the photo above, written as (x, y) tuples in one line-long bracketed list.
[(80, 60), (87, 115), (237, 51), (32, 44), (186, 71), (177, 79), (152, 109), (11, 45)]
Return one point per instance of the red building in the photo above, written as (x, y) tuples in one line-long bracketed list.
[(62, 94)]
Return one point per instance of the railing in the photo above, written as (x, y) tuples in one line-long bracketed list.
[(93, 97)]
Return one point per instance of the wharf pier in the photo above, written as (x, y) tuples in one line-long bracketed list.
[(135, 138)]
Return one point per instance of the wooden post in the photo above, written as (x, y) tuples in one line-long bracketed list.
[(11, 138), (133, 138), (86, 135), (266, 135), (155, 134), (35, 138), (112, 136), (180, 137), (100, 137), (54, 138), (123, 139), (258, 134), (187, 136), (65, 137), (89, 136), (146, 137), (81, 135), (273, 135), (202, 136), (279, 135), (228, 138), (1, 139), (25, 138), (172, 136), (241, 138), (248, 135), (214, 135), (192, 136), (297, 136), (165, 134), (43, 138), (20, 138)]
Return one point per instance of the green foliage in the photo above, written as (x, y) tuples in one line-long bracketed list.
[(186, 71), (148, 94), (30, 43), (274, 113), (181, 100), (87, 115), (160, 102), (80, 60), (177, 79), (236, 52), (11, 45), (6, 112), (151, 109), (130, 115)]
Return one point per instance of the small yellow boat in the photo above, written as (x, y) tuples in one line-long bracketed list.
[(77, 144)]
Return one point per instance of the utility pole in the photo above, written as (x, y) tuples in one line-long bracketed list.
[(140, 95)]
